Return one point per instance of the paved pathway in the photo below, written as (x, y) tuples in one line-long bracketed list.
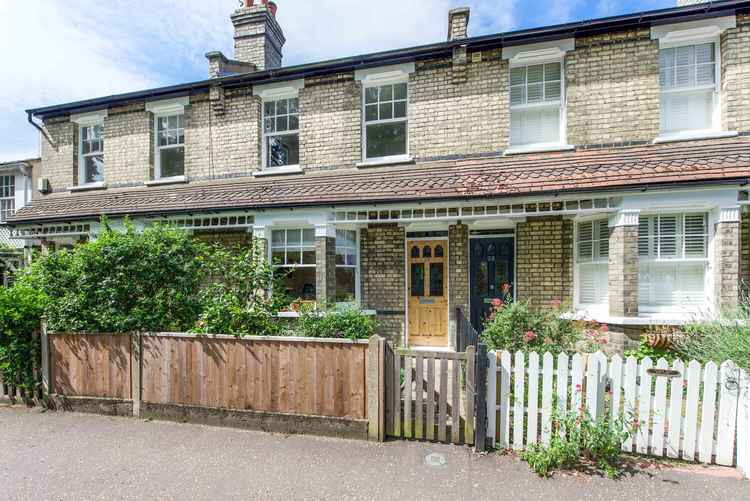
[(74, 456)]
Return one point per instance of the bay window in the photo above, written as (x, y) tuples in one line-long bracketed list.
[(385, 121), (346, 266), (91, 157), (672, 262), (688, 82), (281, 132), (536, 105), (7, 197), (592, 262), (170, 145), (293, 253)]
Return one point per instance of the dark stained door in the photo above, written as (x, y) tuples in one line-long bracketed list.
[(491, 266)]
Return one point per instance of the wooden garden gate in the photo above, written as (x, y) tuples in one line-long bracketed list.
[(430, 395)]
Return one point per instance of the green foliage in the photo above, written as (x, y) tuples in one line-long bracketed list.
[(577, 438), (654, 353), (347, 322), (21, 309), (726, 338), (516, 326), (123, 281), (236, 299)]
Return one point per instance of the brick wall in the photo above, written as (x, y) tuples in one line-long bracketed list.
[(383, 286), (544, 260), (745, 252), (458, 274), (613, 88), (58, 162), (330, 122), (727, 265), (623, 271), (458, 119), (128, 145), (229, 238), (325, 270), (735, 70)]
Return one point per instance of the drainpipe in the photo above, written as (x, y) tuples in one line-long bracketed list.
[(41, 129)]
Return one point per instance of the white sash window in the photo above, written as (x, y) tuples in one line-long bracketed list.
[(293, 253), (536, 104), (346, 266), (592, 262), (7, 197)]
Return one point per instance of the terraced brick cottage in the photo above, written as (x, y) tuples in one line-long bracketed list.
[(601, 163)]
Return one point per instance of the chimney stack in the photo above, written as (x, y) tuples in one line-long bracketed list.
[(458, 23), (258, 38)]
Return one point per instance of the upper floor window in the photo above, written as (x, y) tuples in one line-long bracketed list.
[(385, 121), (592, 260), (170, 145), (91, 158), (536, 104), (672, 261), (7, 197), (281, 132), (688, 82)]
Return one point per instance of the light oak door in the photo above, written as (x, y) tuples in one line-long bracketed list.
[(428, 292)]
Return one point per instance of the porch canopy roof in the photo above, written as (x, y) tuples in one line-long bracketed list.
[(615, 169)]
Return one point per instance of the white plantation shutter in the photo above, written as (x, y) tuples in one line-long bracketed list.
[(593, 266), (687, 111), (602, 237), (696, 236), (585, 241), (535, 97), (668, 241), (594, 283), (535, 126)]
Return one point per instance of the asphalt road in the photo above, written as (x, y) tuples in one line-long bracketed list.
[(59, 456)]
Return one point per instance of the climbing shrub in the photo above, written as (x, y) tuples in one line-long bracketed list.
[(21, 309)]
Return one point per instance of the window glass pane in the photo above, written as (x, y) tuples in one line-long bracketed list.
[(436, 279), (300, 283), (282, 150), (518, 75), (278, 257), (294, 105), (386, 93), (386, 111), (535, 126), (371, 112), (552, 71), (172, 121), (308, 256), (294, 237), (705, 74), (417, 279), (687, 111), (386, 140), (308, 237), (534, 93), (439, 251), (94, 169), (371, 95), (345, 285), (172, 162), (270, 124), (269, 107), (399, 91), (535, 73), (399, 109), (696, 236), (427, 251), (282, 123), (415, 251), (552, 91), (704, 53), (278, 238), (293, 122), (281, 107), (293, 256), (518, 95)]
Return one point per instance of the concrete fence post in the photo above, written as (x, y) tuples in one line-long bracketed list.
[(376, 389), (135, 373)]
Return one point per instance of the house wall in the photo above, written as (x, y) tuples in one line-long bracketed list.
[(745, 252), (612, 92), (544, 261), (383, 279)]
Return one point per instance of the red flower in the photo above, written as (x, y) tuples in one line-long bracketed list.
[(497, 302), (604, 328), (578, 388), (603, 341), (529, 336)]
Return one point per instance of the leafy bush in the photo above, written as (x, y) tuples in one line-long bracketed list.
[(516, 326), (236, 299), (577, 438), (346, 322), (123, 281), (646, 349), (726, 338), (21, 309)]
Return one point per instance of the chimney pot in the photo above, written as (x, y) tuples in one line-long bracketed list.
[(458, 23)]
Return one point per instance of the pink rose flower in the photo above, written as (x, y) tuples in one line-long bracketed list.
[(529, 336)]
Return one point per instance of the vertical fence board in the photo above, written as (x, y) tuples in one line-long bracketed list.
[(397, 394), (469, 384), (533, 400), (660, 411), (492, 396), (519, 370), (675, 410), (418, 403), (689, 445), (456, 401), (644, 406), (593, 390), (708, 413), (576, 396), (430, 435), (630, 411), (743, 425), (548, 363), (615, 374), (503, 438), (408, 427), (562, 385), (443, 398), (728, 391)]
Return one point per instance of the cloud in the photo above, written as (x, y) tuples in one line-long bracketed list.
[(57, 52)]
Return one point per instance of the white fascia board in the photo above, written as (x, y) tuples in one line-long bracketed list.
[(279, 90), (538, 52), (692, 31), (695, 200), (385, 74), (168, 106), (91, 118)]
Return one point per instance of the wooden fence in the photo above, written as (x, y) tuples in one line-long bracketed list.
[(684, 411), (430, 395), (179, 373)]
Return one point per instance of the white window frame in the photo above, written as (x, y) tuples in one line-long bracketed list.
[(275, 92), (656, 259), (377, 77), (158, 149), (86, 120), (560, 104), (356, 266), (602, 305), (301, 248), (7, 203), (288, 132)]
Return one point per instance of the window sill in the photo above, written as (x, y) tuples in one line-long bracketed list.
[(296, 314), (88, 187), (694, 136), (542, 148), (379, 162), (167, 180), (278, 171), (644, 319)]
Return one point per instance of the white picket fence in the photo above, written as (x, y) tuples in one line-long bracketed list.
[(688, 411)]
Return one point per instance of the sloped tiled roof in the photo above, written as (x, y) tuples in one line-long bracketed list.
[(498, 176)]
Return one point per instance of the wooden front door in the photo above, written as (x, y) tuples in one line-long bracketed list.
[(428, 292)]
